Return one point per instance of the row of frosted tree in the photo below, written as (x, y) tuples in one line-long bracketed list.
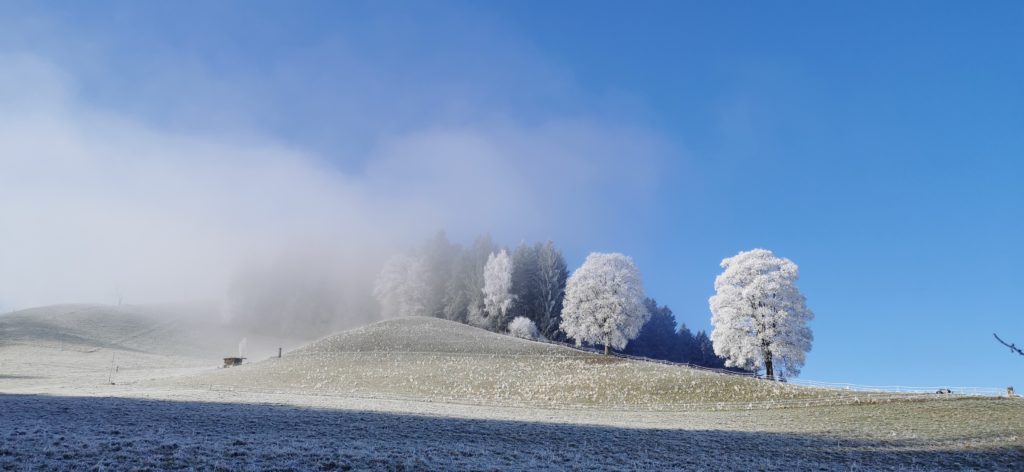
[(529, 292)]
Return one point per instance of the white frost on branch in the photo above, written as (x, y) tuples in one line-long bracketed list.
[(498, 297), (759, 316), (523, 327), (604, 302)]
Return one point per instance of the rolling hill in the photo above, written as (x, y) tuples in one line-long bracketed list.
[(443, 361), (424, 393), (81, 344)]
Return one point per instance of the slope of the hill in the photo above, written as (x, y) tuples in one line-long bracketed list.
[(171, 330), (99, 344), (438, 360), (422, 393), (429, 335)]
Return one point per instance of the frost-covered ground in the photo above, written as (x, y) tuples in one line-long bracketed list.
[(437, 360), (428, 394), (119, 433)]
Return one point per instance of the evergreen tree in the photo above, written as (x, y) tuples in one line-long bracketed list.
[(705, 351), (526, 285), (438, 256), (465, 297), (657, 339), (686, 349), (552, 274)]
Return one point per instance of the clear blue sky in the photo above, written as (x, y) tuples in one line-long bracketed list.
[(879, 145)]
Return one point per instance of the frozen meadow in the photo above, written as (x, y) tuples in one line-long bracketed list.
[(86, 387)]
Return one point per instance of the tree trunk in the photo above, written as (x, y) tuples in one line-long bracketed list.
[(606, 345), (769, 371)]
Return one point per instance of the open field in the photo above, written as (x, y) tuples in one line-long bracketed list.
[(429, 394)]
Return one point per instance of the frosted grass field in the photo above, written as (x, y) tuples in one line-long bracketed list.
[(425, 394), (437, 360)]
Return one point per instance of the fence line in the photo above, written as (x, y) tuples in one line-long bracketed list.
[(843, 386), (849, 399)]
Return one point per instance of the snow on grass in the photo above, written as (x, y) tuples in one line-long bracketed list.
[(438, 360), (44, 432), (426, 394), (193, 331)]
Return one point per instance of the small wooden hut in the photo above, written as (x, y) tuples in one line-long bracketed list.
[(233, 361)]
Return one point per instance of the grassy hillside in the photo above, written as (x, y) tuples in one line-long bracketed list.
[(422, 393), (438, 360)]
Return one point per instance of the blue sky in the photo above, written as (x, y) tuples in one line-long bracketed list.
[(879, 145)]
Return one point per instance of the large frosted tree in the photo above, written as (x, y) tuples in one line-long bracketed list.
[(759, 316), (604, 302), (498, 297)]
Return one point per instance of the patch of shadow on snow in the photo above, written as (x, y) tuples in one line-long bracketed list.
[(55, 432)]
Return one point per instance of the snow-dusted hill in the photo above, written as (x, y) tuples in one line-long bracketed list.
[(422, 393), (438, 360), (408, 358), (429, 335), (188, 330), (74, 345)]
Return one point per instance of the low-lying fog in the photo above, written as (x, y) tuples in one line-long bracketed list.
[(100, 206)]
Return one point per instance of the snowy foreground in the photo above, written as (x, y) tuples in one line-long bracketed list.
[(116, 432), (448, 397)]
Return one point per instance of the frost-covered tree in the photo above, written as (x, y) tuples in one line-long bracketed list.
[(498, 297), (552, 274), (479, 253), (402, 287), (759, 316), (523, 327), (604, 302)]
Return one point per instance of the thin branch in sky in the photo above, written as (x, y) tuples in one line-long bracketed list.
[(1013, 347)]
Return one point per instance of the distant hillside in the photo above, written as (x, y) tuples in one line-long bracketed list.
[(193, 331)]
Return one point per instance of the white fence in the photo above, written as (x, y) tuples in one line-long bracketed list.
[(961, 390), (845, 387)]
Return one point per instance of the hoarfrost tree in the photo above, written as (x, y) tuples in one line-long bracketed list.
[(759, 316), (498, 297), (604, 302), (523, 327), (402, 287)]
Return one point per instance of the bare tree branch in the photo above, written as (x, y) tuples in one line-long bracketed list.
[(1013, 348)]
